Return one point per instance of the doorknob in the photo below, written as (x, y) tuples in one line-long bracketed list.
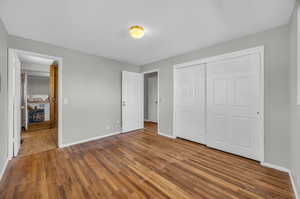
[(53, 99)]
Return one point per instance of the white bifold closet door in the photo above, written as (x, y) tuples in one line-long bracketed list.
[(233, 105), (189, 101)]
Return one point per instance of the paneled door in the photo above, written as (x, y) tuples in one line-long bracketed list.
[(132, 101), (24, 100), (17, 103), (53, 94), (189, 103), (152, 99), (233, 110)]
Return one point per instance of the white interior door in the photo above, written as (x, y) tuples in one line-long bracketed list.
[(17, 104), (132, 101), (152, 98), (25, 100), (233, 105), (189, 103)]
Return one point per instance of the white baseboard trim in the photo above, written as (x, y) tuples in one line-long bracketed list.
[(88, 140), (165, 135), (294, 185), (279, 168), (150, 121), (4, 168)]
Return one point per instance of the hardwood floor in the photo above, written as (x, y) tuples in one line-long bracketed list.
[(36, 141), (151, 127), (140, 164), (39, 126)]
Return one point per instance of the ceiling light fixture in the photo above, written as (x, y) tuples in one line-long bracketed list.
[(136, 32)]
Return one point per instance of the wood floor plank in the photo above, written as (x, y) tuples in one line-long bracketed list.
[(38, 140), (141, 164)]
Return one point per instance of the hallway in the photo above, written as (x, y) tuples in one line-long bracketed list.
[(36, 141)]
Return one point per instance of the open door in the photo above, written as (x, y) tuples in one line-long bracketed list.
[(132, 101), (152, 98), (24, 101), (15, 65), (53, 95)]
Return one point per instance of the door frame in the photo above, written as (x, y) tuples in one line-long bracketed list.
[(158, 97), (255, 50), (10, 97)]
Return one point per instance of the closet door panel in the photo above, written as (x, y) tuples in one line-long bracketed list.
[(190, 103), (232, 105)]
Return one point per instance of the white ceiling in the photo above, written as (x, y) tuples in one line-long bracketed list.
[(100, 27)]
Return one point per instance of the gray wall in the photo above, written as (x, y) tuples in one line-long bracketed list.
[(295, 109), (38, 85), (276, 42), (3, 97), (92, 85)]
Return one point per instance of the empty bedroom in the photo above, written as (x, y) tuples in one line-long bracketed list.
[(154, 99)]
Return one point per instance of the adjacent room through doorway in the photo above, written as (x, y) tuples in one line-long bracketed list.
[(35, 103), (151, 101)]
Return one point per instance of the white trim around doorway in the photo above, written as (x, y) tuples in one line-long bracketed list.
[(10, 97)]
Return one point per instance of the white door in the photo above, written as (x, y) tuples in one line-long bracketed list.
[(25, 100), (132, 101), (233, 105), (17, 104), (152, 98), (189, 103)]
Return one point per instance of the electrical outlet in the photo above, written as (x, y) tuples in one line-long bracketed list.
[(107, 127)]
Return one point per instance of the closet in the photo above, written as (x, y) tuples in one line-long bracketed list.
[(189, 121), (219, 102)]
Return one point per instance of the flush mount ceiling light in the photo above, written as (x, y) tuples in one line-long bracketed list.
[(136, 32)]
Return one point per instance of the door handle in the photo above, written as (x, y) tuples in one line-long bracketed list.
[(52, 100)]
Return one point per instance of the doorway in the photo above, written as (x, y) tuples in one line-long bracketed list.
[(34, 105), (151, 101), (136, 103)]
